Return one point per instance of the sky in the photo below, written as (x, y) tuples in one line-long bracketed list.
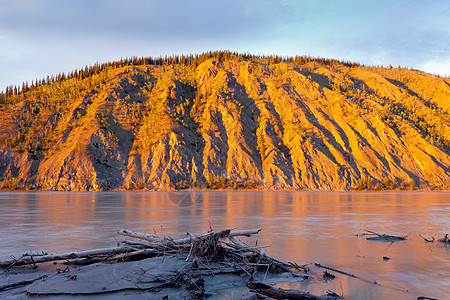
[(45, 37)]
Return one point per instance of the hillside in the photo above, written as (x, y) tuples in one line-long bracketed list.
[(223, 120)]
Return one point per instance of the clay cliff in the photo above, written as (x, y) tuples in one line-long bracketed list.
[(223, 120)]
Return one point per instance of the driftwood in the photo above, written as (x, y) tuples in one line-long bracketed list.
[(153, 238), (427, 240), (279, 293), (32, 259), (117, 258), (349, 274), (197, 257), (211, 245), (140, 235), (445, 239), (384, 237), (336, 270)]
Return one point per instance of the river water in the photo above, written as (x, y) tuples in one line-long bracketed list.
[(301, 227)]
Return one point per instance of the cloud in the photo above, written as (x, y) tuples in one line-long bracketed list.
[(395, 47), (404, 32), (195, 19), (440, 66)]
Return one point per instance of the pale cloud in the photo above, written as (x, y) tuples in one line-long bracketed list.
[(9, 51), (441, 67), (197, 18), (19, 6)]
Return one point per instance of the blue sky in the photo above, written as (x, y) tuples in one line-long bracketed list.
[(44, 37)]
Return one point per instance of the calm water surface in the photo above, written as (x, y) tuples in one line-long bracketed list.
[(302, 227)]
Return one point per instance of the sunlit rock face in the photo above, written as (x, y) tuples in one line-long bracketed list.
[(230, 122)]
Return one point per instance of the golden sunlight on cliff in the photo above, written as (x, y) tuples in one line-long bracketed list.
[(227, 121)]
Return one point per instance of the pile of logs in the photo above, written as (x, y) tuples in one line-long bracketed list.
[(210, 245), (222, 245), (207, 245), (224, 248)]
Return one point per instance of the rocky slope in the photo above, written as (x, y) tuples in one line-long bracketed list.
[(239, 122)]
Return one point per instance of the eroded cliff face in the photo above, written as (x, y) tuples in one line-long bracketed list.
[(230, 124)]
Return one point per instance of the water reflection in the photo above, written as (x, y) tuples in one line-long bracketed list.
[(301, 227)]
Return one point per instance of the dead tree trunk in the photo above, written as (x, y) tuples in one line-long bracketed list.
[(279, 293), (31, 260)]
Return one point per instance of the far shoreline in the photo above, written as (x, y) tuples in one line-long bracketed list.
[(432, 190)]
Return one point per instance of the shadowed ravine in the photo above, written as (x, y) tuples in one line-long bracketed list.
[(229, 121)]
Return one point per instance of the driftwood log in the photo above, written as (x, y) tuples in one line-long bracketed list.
[(153, 238), (384, 237), (32, 259), (279, 293), (427, 240), (336, 270), (140, 235)]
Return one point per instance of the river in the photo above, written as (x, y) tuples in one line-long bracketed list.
[(301, 227)]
